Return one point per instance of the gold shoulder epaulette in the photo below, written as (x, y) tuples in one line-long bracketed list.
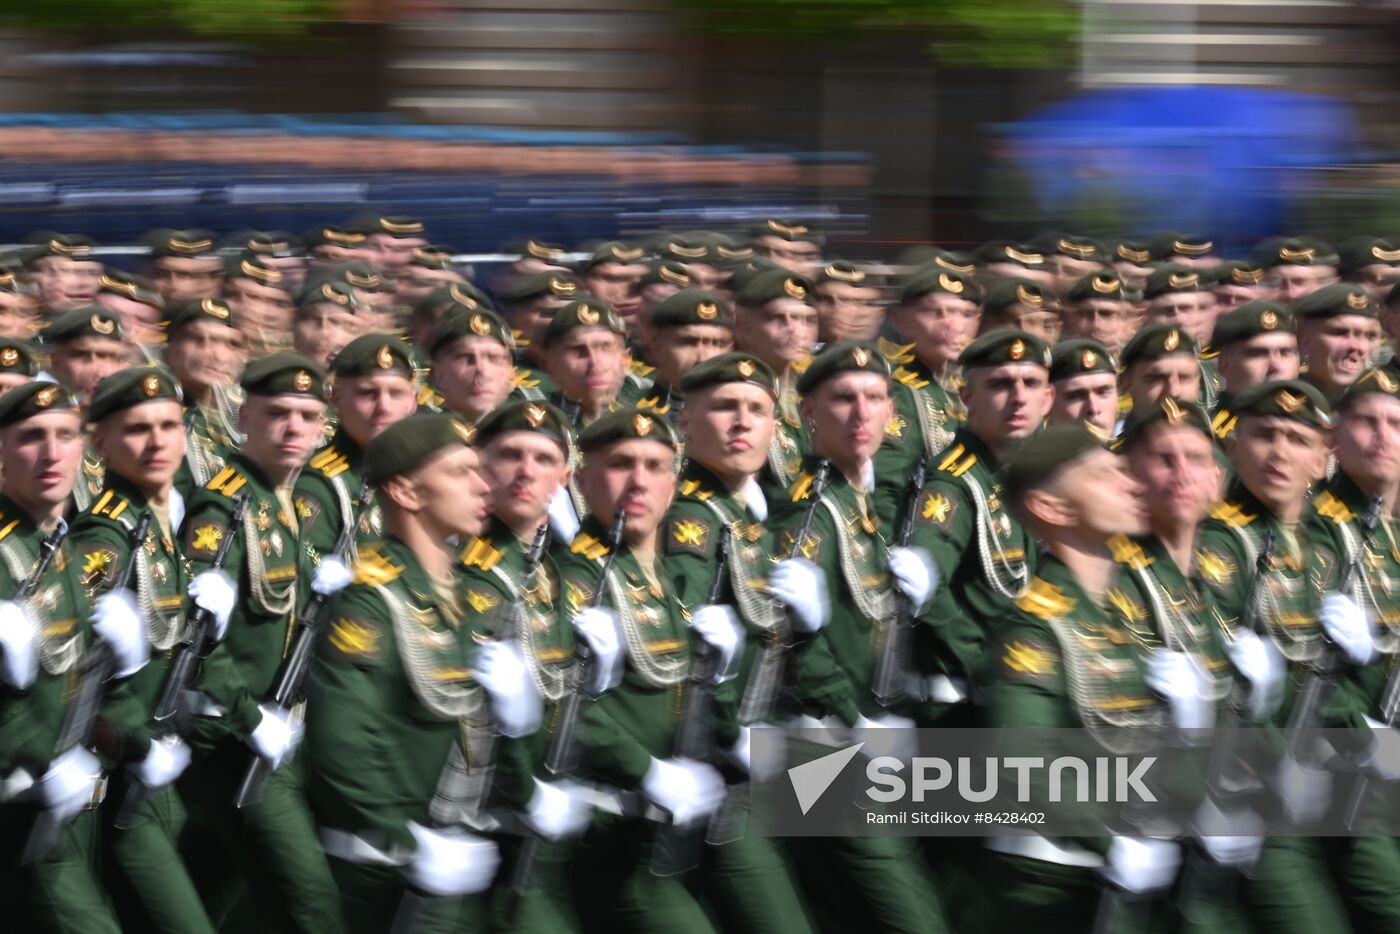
[(1126, 551), (653, 403), (329, 462), (373, 568), (1231, 514), (909, 378), (895, 353), (955, 463), (1125, 405), (1223, 423), (428, 396), (479, 553), (640, 368), (588, 546), (1044, 599), (6, 525), (802, 486), (1328, 506), (523, 382), (227, 481), (692, 488), (110, 505), (800, 366)]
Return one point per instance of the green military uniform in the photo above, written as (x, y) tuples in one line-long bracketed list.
[(281, 859), (1341, 299), (60, 891), (531, 381), (210, 433), (686, 308)]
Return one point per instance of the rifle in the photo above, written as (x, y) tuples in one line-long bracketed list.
[(560, 758), (80, 719), (47, 548), (676, 849), (295, 666), (892, 668), (170, 716)]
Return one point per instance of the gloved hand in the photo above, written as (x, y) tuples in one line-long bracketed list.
[(1232, 839), (886, 735), (1348, 626), (1174, 676), (19, 646), (1305, 792), (687, 790), (331, 576), (719, 627), (1258, 661), (1382, 760), (164, 762), (598, 627), (915, 575), (276, 735), (215, 593), (563, 521), (118, 622), (801, 586), (515, 702), (451, 862), (1140, 864), (555, 812), (66, 788)]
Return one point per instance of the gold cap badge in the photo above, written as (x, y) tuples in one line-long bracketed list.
[(1172, 340), (795, 289), (1018, 349), (384, 357), (534, 414), (45, 397), (745, 368), (479, 325), (302, 381), (9, 356), (101, 325), (861, 356), (588, 315), (151, 386), (1268, 320), (641, 424), (707, 311), (949, 284)]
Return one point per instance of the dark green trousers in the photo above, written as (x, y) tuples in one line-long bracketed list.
[(152, 889), (60, 892), (751, 885)]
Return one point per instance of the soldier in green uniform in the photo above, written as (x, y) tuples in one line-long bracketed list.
[(850, 302), (472, 358), (261, 294), (662, 279), (184, 264), (840, 590), (528, 305), (1296, 265), (585, 350), (325, 321), (136, 302), (1180, 295), (687, 329), (255, 603), (1236, 282), (372, 389), (1084, 374), (1160, 361), (1370, 262), (1063, 659), (391, 239), (628, 734), (400, 678), (18, 363), (1254, 343), (139, 432), (938, 315), (611, 274), (66, 271), (1338, 336), (727, 425), (42, 640), (1279, 448), (983, 555), (792, 245), (1101, 309), (204, 349), (437, 304)]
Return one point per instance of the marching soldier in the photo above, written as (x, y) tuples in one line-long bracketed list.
[(1338, 335), (1160, 361), (794, 246), (430, 269), (135, 301), (1184, 249), (1298, 266), (261, 292), (472, 356), (255, 604), (85, 345), (392, 240), (1023, 305), (18, 364), (372, 388), (326, 321), (1179, 295), (399, 681), (1370, 262), (1101, 309), (1238, 282), (585, 347), (66, 271), (529, 304), (19, 311), (43, 639), (184, 264), (338, 243), (1255, 343), (204, 349), (938, 315), (140, 433), (611, 275), (849, 301), (686, 329), (1084, 375), (438, 304)]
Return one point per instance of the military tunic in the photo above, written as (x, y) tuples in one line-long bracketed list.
[(926, 417), (326, 497), (661, 399), (208, 446)]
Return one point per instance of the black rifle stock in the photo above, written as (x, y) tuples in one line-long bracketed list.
[(893, 668)]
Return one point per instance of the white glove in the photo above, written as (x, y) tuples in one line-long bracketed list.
[(1383, 760), (66, 788), (915, 575), (19, 646), (215, 593), (1174, 676), (117, 621), (687, 790), (719, 627), (1306, 793), (1347, 626), (331, 576), (598, 627), (276, 735), (563, 521), (1232, 839), (886, 735), (164, 762), (1258, 661), (515, 702), (555, 812), (801, 586), (451, 862), (1141, 864)]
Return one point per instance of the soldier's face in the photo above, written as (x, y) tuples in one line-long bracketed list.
[(1376, 279), (261, 308), (940, 326), (451, 493), (636, 476), (394, 253), (1193, 312), (796, 255), (1260, 359), (474, 374), (1103, 496), (1103, 320), (780, 333), (1339, 349), (1233, 295), (847, 415), (1294, 281), (415, 282), (1276, 458), (1368, 439), (139, 320), (369, 404), (282, 431), (1180, 476), (849, 312), (182, 278), (67, 283), (81, 363), (1007, 402), (523, 469), (677, 351), (204, 354), (322, 330), (1091, 398), (144, 444), (613, 283), (727, 428), (1177, 375), (589, 365), (41, 456), (17, 316)]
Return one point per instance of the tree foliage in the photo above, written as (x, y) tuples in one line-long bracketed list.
[(234, 19)]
